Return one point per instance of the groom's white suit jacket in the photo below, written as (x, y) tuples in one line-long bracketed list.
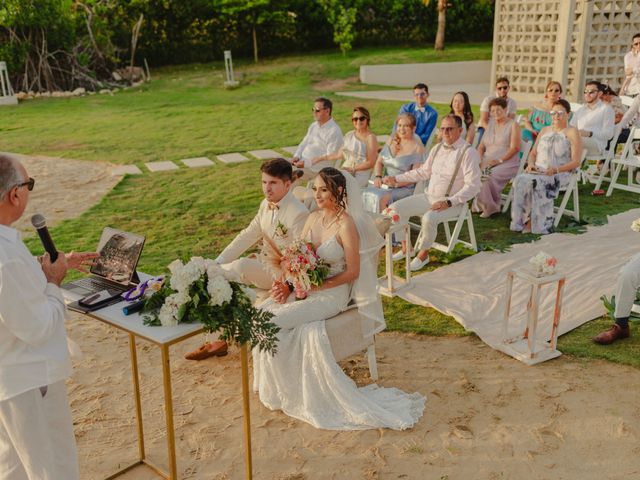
[(290, 214)]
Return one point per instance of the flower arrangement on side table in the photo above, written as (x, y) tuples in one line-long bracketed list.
[(635, 225), (543, 264), (392, 213), (199, 291)]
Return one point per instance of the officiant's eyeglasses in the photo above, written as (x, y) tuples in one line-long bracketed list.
[(358, 119), (29, 184)]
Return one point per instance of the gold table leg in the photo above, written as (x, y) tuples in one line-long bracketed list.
[(247, 415), (168, 411), (136, 394)]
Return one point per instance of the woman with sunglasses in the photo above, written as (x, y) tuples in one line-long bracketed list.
[(403, 152), (360, 147), (554, 156), (538, 116)]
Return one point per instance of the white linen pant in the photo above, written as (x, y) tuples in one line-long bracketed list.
[(417, 205), (36, 436), (627, 286), (251, 271), (590, 145)]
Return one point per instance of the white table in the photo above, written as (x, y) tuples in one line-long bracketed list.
[(163, 337), (525, 347)]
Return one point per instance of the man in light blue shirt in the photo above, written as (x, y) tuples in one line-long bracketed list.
[(426, 115)]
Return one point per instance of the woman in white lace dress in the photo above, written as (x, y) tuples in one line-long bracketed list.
[(303, 379)]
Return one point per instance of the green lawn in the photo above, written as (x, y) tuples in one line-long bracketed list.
[(185, 112)]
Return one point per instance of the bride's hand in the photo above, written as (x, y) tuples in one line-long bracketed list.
[(279, 292)]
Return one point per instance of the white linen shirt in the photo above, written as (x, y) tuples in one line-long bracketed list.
[(320, 140), (632, 61), (33, 340), (599, 120), (512, 107), (439, 171)]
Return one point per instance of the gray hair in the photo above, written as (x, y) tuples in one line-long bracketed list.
[(9, 174)]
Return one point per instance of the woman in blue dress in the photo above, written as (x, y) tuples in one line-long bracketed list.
[(402, 153)]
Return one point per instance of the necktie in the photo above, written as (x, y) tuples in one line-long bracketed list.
[(273, 206), (420, 109)]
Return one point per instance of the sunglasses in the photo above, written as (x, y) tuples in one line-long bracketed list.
[(504, 87), (358, 119), (590, 92), (420, 94), (448, 129), (29, 184), (316, 110), (558, 113), (554, 90)]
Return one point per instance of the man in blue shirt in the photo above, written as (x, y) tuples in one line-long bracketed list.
[(426, 116)]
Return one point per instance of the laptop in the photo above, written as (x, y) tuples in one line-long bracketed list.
[(115, 269)]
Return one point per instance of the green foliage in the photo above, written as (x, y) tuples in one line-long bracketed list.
[(342, 18), (237, 319)]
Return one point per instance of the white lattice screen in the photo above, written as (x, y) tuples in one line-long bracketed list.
[(571, 41)]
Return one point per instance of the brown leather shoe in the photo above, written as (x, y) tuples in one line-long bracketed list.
[(218, 349), (616, 332)]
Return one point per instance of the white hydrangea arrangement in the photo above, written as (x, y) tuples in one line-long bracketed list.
[(635, 225), (543, 264), (200, 291)]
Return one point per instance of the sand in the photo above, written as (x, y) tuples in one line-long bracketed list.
[(487, 416)]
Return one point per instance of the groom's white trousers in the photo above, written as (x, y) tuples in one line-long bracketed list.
[(249, 270), (627, 286), (36, 436)]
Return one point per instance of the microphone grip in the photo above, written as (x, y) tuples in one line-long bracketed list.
[(47, 243), (134, 307)]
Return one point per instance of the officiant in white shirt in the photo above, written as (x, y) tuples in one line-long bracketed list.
[(36, 430), (324, 138)]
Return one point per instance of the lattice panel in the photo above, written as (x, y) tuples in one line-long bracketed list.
[(529, 34)]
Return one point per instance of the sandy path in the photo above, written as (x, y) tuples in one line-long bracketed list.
[(488, 416)]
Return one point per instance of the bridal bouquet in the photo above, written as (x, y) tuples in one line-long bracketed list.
[(199, 291), (301, 265), (543, 264)]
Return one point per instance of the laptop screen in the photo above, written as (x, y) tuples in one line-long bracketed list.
[(119, 255)]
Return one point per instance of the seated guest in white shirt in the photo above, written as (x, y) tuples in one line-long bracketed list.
[(595, 120), (323, 139), (502, 91), (631, 82), (446, 193), (36, 430)]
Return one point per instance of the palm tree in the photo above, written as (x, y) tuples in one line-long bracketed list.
[(442, 19)]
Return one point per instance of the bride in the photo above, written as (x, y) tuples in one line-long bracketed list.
[(303, 379)]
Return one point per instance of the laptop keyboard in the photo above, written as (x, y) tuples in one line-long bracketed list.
[(97, 284)]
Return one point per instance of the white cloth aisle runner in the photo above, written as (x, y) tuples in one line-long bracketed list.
[(473, 290)]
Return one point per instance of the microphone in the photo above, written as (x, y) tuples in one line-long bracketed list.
[(40, 224)]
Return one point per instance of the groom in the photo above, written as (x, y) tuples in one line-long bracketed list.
[(280, 218)]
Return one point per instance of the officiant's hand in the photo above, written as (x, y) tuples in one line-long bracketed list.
[(279, 292)]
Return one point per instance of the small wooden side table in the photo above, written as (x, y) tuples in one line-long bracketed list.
[(525, 347), (388, 284)]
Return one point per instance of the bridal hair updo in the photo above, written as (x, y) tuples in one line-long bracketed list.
[(336, 183), (279, 168)]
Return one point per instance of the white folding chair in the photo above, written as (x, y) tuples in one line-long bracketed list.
[(628, 159), (525, 148), (570, 190), (608, 155), (453, 237)]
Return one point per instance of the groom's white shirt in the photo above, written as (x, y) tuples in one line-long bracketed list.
[(291, 213)]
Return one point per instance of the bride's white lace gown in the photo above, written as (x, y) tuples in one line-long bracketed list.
[(304, 380)]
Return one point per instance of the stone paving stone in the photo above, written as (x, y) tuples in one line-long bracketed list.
[(383, 138), (126, 169), (161, 166), (197, 162), (290, 150), (264, 154), (232, 158)]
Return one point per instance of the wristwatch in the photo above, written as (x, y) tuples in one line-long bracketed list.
[(448, 203)]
